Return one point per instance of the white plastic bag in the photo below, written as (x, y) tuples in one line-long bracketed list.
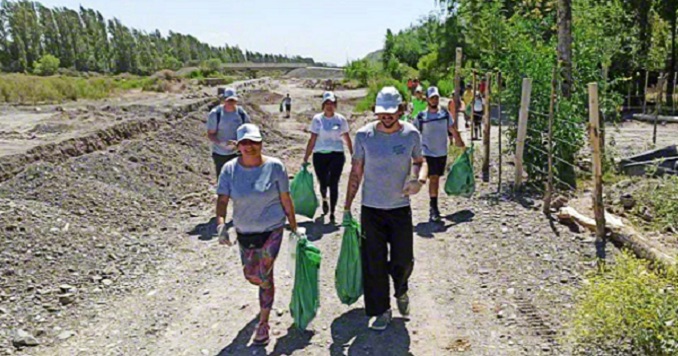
[(292, 250)]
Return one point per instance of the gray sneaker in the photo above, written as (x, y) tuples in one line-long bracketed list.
[(403, 304), (381, 322)]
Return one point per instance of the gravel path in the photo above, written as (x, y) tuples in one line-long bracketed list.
[(495, 279)]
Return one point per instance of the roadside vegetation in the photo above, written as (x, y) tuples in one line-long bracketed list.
[(632, 309)]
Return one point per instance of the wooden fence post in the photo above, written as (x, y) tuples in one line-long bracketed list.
[(549, 183), (457, 83), (499, 136), (594, 137), (522, 131), (475, 88), (673, 98), (647, 78), (658, 106), (487, 124)]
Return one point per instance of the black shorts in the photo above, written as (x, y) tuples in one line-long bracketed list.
[(288, 107), (436, 165)]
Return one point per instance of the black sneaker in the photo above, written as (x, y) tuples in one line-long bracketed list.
[(435, 215), (403, 304), (326, 207), (333, 221)]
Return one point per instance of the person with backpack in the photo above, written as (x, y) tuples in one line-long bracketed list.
[(387, 156), (436, 125), (329, 132), (222, 123), (259, 187)]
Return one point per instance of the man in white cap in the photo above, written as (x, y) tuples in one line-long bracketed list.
[(387, 156), (435, 125), (222, 123)]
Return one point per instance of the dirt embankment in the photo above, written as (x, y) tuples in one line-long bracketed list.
[(87, 219)]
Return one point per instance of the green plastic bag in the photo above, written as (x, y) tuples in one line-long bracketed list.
[(460, 179), (305, 294), (348, 277), (303, 194)]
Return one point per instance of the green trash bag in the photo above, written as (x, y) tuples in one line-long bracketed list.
[(349, 273), (460, 179), (305, 298), (303, 193)]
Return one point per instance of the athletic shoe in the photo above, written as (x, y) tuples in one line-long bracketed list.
[(435, 215), (403, 304), (333, 221), (261, 337), (381, 322), (326, 207)]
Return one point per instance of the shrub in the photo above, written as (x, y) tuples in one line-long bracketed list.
[(171, 63), (211, 66), (631, 309), (46, 65), (660, 196)]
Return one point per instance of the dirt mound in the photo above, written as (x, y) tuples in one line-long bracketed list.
[(317, 73), (85, 218)]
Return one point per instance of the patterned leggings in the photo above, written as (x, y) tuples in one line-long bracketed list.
[(258, 267)]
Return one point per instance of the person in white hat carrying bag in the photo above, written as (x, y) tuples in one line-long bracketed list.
[(387, 157), (258, 185)]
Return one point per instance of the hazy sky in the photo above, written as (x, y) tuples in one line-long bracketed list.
[(328, 31)]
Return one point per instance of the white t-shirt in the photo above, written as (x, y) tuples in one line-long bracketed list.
[(329, 131)]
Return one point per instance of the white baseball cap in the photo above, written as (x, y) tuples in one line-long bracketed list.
[(388, 101), (419, 89), (248, 132), (432, 91), (230, 94), (328, 95)]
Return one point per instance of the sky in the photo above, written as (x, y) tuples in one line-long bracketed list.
[(328, 31)]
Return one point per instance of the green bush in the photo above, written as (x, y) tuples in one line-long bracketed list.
[(211, 66), (46, 65), (29, 89), (660, 197), (171, 63), (630, 309), (446, 87), (362, 71)]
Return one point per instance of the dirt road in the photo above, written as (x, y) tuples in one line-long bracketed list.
[(127, 228)]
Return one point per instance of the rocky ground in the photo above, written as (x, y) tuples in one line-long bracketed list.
[(109, 251)]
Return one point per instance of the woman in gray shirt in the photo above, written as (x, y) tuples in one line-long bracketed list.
[(259, 188)]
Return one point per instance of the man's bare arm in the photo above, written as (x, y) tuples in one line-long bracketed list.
[(420, 169), (357, 170)]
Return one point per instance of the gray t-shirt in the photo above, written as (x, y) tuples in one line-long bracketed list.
[(434, 132), (329, 131), (255, 193), (228, 125), (388, 161)]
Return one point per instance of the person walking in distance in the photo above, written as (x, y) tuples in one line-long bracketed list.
[(222, 123), (287, 103), (259, 188), (436, 124), (387, 156), (329, 132)]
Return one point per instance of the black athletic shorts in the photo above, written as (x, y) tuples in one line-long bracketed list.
[(436, 165)]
